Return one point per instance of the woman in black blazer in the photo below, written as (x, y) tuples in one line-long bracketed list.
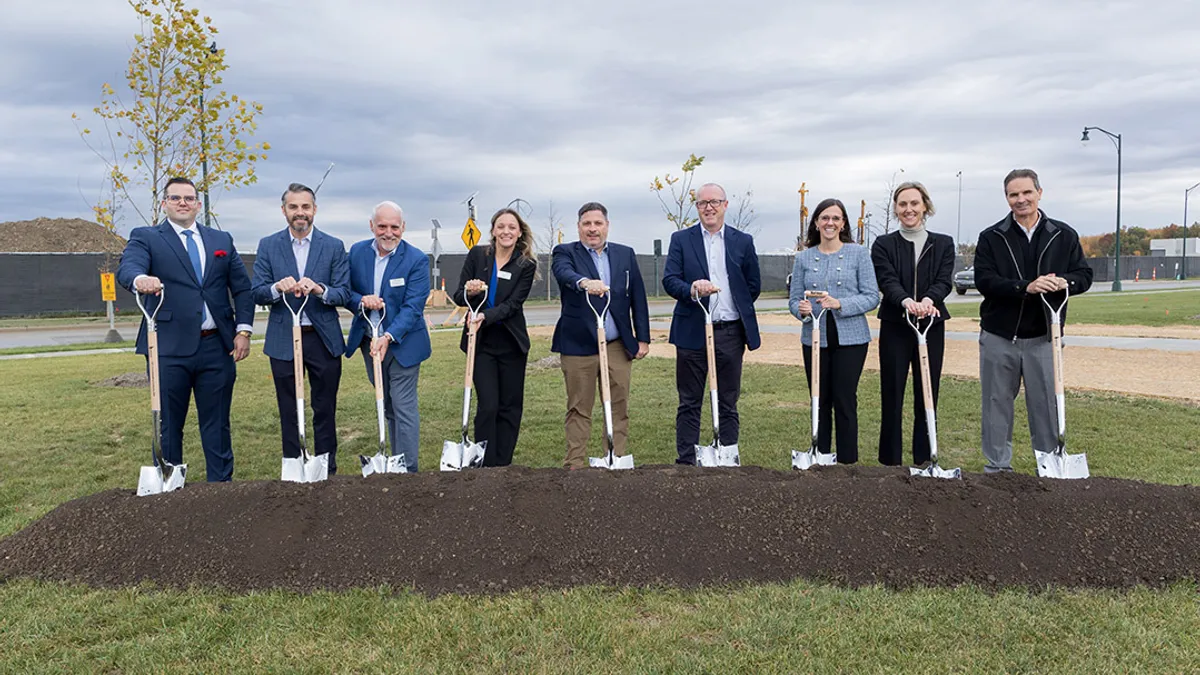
[(915, 270), (506, 267)]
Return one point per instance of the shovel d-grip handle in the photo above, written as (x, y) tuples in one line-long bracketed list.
[(298, 367), (152, 373), (602, 354), (710, 352), (1059, 377), (469, 376), (815, 386), (377, 371)]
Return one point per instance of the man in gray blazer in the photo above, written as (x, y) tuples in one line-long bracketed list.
[(295, 262)]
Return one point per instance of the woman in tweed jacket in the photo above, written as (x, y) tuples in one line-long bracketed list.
[(833, 263)]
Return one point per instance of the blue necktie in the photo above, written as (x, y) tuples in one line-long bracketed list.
[(194, 254)]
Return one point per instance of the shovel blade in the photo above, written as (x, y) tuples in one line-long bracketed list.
[(376, 463), (297, 470), (934, 471), (395, 464), (807, 459), (619, 462), (1058, 464), (718, 455), (152, 480), (459, 456)]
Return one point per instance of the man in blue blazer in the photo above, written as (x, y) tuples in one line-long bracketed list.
[(583, 269), (197, 345), (297, 262), (388, 274), (702, 260)]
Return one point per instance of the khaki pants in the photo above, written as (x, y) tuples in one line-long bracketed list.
[(582, 375)]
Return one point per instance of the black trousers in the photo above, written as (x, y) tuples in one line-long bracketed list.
[(691, 378), (897, 356), (841, 368), (324, 373), (500, 394)]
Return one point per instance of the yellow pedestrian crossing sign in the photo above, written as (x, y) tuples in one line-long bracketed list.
[(108, 287), (470, 233)]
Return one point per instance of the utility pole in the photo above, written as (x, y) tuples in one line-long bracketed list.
[(958, 233), (803, 216)]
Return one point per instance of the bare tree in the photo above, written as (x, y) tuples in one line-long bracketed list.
[(553, 226), (550, 240), (742, 215)]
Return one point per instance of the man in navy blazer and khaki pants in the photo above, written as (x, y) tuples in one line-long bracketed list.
[(386, 273), (701, 260), (197, 346), (584, 269), (295, 262)]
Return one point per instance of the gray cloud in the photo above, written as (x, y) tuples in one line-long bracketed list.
[(425, 103)]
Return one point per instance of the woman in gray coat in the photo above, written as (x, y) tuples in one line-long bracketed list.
[(833, 263)]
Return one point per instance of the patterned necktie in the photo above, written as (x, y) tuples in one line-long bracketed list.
[(194, 253)]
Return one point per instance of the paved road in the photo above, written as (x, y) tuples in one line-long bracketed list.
[(548, 315)]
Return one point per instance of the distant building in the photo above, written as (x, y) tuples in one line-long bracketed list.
[(1173, 248)]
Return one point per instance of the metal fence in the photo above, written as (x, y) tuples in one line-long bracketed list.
[(62, 283)]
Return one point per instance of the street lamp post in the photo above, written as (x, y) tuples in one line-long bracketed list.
[(1183, 262), (212, 49), (1116, 139), (887, 212)]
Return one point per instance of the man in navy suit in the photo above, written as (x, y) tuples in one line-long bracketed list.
[(386, 273), (702, 260), (291, 264), (585, 268), (197, 346)]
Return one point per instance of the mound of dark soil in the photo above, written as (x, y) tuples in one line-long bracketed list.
[(58, 235), (494, 530)]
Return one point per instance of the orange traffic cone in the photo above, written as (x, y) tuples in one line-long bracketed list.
[(1137, 276), (1154, 274)]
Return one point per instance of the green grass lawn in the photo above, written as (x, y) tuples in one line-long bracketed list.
[(65, 438), (1128, 308)]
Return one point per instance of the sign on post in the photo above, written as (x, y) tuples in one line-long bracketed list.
[(470, 233), (108, 287)]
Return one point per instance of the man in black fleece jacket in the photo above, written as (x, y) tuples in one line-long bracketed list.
[(1016, 261)]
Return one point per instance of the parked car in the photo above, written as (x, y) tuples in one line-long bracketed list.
[(964, 280)]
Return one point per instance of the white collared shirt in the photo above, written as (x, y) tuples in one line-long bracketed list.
[(724, 308), (1029, 233), (209, 322), (381, 263), (300, 249)]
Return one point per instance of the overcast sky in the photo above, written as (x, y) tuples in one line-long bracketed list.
[(424, 103)]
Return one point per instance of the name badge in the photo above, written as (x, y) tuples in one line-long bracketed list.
[(503, 275), (394, 283)]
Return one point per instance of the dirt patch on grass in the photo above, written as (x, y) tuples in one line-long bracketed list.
[(497, 530), (135, 380), (1161, 374)]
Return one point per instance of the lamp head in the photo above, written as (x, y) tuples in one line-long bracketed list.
[(1085, 135)]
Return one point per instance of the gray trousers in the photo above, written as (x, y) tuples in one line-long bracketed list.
[(399, 406), (1003, 364)]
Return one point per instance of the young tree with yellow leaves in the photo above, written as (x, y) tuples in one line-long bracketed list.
[(683, 198), (172, 119)]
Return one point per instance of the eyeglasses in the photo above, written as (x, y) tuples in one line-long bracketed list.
[(186, 199), (709, 202), (829, 219)]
